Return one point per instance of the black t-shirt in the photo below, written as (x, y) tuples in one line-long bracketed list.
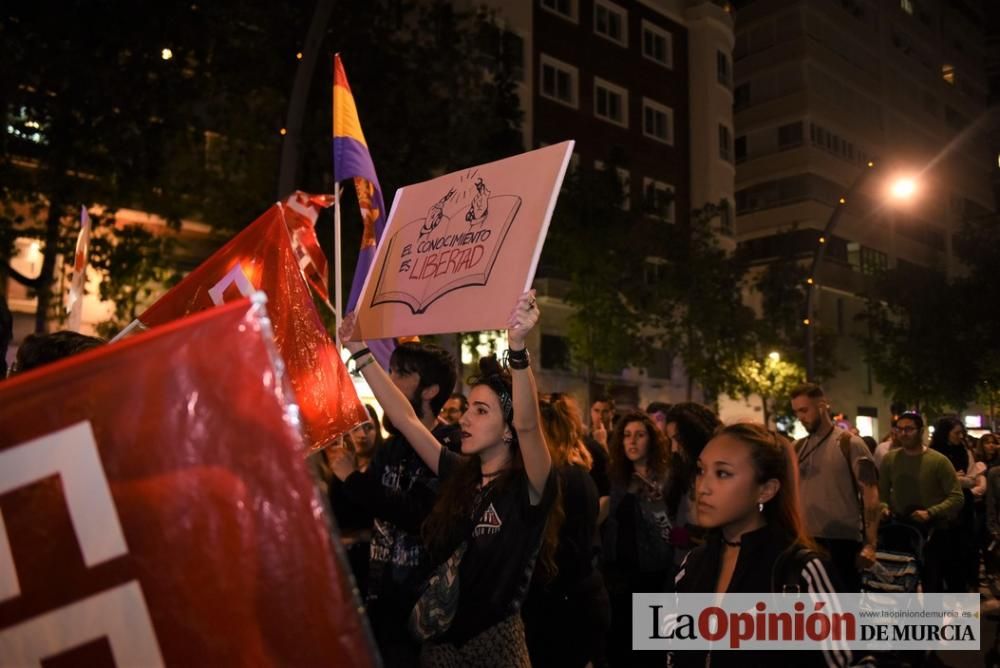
[(497, 566), (599, 469), (578, 534), (399, 491)]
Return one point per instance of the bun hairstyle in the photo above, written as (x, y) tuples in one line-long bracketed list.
[(773, 457), (495, 377)]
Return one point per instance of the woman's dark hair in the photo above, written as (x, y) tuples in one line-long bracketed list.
[(695, 426), (942, 428), (774, 457), (378, 427), (939, 441), (657, 454), (450, 519)]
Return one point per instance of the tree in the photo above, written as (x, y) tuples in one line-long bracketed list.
[(916, 345), (100, 115), (598, 248), (697, 309), (769, 378), (782, 288)]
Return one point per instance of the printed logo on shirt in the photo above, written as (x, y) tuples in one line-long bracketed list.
[(489, 523)]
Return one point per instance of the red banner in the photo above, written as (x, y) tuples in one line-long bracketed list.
[(156, 509), (261, 257)]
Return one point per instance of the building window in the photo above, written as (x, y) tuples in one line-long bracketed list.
[(657, 44), (555, 352), (725, 143), (624, 178), (611, 21), (653, 270), (948, 73), (726, 218), (657, 121), (610, 102), (558, 81), (741, 97), (723, 71), (740, 149), (658, 199), (790, 136), (564, 8)]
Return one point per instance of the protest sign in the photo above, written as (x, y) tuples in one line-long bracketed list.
[(262, 257), (156, 509), (459, 249)]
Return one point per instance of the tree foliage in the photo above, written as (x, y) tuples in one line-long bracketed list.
[(100, 117)]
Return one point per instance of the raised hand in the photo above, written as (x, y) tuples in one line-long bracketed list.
[(523, 318), (346, 331)]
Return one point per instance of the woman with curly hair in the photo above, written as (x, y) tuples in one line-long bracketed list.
[(488, 525), (636, 551)]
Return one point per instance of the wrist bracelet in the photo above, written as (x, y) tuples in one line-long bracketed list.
[(358, 355), (518, 359), (360, 367)]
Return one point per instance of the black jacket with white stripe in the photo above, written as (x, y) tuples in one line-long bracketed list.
[(767, 561)]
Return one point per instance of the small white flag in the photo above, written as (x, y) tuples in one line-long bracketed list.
[(74, 305)]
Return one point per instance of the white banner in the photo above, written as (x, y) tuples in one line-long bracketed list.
[(805, 621)]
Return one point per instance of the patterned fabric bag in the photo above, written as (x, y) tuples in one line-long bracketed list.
[(434, 612)]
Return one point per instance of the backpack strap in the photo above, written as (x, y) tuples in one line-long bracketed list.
[(787, 568)]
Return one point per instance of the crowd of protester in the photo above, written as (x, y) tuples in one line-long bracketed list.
[(499, 529)]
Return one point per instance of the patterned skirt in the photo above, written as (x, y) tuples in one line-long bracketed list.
[(500, 646)]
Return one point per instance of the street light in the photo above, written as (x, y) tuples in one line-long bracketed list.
[(902, 188), (774, 356)]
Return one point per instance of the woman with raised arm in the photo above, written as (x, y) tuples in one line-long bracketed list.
[(488, 526)]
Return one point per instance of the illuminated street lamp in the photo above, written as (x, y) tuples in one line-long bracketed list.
[(901, 189), (774, 356)]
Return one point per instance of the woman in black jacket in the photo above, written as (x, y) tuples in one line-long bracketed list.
[(747, 497)]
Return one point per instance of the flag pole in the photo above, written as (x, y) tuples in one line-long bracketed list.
[(338, 276)]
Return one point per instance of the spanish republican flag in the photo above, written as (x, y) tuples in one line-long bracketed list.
[(351, 160)]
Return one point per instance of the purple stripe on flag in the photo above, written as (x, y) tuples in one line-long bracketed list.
[(351, 158), (382, 350)]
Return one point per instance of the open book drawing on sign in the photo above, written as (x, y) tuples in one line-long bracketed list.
[(455, 245)]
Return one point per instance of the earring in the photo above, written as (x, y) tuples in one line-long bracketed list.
[(760, 507), (508, 440)]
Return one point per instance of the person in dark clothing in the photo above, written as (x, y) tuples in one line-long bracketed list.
[(747, 498), (490, 522), (689, 427), (961, 571), (398, 491), (567, 619), (635, 539)]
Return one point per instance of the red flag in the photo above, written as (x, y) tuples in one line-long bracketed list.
[(261, 258), (301, 211), (156, 508)]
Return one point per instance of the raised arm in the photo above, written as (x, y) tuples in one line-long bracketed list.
[(393, 402), (527, 420)]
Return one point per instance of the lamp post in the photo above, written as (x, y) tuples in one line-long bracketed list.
[(901, 189)]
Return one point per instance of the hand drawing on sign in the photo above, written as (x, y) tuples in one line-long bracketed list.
[(479, 207), (454, 247), (435, 214)]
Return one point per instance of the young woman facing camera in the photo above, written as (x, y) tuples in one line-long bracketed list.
[(489, 522), (746, 496), (636, 551)]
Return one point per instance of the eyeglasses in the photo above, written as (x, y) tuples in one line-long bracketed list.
[(907, 430)]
